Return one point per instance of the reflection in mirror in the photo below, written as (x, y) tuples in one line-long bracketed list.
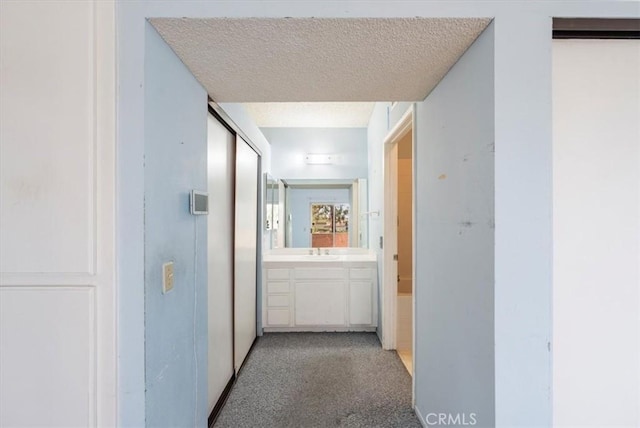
[(325, 213), (272, 211), (329, 225)]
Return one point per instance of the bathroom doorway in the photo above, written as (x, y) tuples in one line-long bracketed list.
[(398, 287), (404, 303)]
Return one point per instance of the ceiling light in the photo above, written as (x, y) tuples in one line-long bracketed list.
[(319, 159)]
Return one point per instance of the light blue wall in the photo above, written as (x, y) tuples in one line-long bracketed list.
[(454, 273), (289, 146), (175, 162), (300, 201), (376, 133)]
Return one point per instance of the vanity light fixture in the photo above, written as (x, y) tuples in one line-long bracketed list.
[(319, 159)]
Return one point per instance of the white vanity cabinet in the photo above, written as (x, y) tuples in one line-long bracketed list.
[(278, 298), (320, 296)]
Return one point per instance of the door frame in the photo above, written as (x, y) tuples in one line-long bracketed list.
[(390, 221)]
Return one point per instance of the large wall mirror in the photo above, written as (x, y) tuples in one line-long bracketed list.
[(325, 213), (315, 213)]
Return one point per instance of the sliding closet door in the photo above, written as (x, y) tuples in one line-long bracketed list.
[(220, 176), (245, 249)]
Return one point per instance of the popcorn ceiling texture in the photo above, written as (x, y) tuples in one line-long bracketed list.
[(323, 59), (310, 115)]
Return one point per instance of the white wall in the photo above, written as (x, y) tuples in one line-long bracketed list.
[(57, 142), (454, 271), (376, 133), (596, 219)]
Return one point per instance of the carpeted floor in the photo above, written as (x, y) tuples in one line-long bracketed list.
[(307, 380)]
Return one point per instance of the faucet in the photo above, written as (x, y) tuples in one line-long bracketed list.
[(319, 251)]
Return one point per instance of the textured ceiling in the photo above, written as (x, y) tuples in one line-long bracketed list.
[(310, 115), (319, 59)]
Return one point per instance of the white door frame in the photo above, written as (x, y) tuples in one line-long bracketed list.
[(390, 221)]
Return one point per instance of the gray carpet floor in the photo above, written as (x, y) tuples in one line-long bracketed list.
[(305, 380)]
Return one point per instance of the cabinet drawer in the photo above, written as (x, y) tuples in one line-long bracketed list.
[(315, 273), (277, 287), (361, 273), (278, 317), (277, 273), (278, 300)]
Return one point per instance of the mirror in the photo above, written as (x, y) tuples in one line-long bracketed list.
[(273, 202), (325, 213)]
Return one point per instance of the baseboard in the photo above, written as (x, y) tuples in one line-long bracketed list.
[(221, 400), (227, 390), (420, 418)]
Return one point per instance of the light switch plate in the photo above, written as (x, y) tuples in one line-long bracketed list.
[(167, 277)]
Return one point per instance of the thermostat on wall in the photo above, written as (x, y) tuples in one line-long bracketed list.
[(199, 202)]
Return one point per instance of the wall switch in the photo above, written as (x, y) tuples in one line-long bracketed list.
[(167, 277)]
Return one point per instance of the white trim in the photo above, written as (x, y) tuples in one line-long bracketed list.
[(414, 232), (106, 316), (401, 128), (389, 268), (390, 244)]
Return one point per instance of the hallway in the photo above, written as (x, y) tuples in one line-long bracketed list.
[(320, 380)]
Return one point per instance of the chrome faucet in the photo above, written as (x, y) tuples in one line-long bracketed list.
[(319, 251)]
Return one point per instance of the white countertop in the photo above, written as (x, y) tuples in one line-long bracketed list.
[(288, 258)]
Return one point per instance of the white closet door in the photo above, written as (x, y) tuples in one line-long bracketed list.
[(596, 233), (220, 178), (245, 249)]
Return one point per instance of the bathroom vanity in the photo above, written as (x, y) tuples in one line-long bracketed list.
[(329, 290)]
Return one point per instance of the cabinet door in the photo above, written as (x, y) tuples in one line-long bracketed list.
[(360, 303), (278, 317), (320, 303)]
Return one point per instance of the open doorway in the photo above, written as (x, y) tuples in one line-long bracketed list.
[(398, 268), (404, 303)]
